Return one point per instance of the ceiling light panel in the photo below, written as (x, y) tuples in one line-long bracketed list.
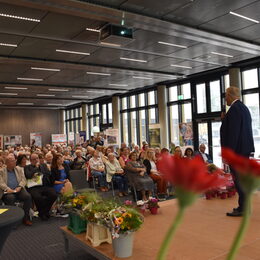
[(181, 66), (20, 17), (58, 90), (98, 73), (80, 96), (17, 88), (54, 104), (118, 85), (45, 95), (8, 94), (30, 79), (92, 30), (222, 54), (8, 44), (95, 91), (137, 77), (44, 69), (25, 104), (73, 52), (244, 17), (173, 45), (135, 60)]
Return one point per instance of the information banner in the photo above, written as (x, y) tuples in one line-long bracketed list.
[(186, 134), (71, 139), (83, 136), (154, 135), (12, 140), (111, 137), (36, 139), (59, 139)]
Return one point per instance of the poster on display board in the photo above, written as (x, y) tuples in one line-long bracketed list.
[(111, 137), (71, 138), (186, 134), (83, 136), (58, 139), (36, 139), (154, 135), (77, 138), (12, 140), (1, 142)]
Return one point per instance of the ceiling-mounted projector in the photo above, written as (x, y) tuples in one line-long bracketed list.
[(116, 34)]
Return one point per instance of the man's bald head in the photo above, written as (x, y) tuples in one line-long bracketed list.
[(10, 161), (232, 93)]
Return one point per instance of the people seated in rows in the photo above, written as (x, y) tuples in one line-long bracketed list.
[(151, 169), (12, 185), (48, 159), (143, 151), (97, 168), (60, 174), (115, 172), (123, 159), (189, 153), (79, 162), (21, 161), (137, 176), (178, 151), (67, 156), (2, 163), (137, 150), (40, 186), (204, 156)]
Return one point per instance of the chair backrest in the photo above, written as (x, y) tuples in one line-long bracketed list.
[(78, 179)]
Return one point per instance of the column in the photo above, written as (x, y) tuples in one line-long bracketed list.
[(163, 115), (84, 117), (61, 122), (234, 77), (116, 115)]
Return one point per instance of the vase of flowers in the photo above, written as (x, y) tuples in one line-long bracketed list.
[(153, 205), (123, 221)]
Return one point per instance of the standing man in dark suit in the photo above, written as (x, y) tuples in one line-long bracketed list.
[(236, 133)]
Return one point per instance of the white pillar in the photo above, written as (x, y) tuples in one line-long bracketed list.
[(163, 115), (235, 77), (116, 115)]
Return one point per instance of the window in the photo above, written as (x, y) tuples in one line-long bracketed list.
[(250, 79), (186, 113), (133, 128), (73, 120), (152, 116), (143, 124), (151, 98), (124, 103), (173, 93), (93, 118), (185, 91), (110, 113), (141, 100), (215, 100), (201, 98), (125, 127), (174, 124), (104, 113), (132, 101), (226, 81)]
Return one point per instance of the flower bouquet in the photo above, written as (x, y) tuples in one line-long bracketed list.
[(153, 205)]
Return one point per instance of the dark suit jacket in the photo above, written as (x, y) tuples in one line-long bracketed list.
[(236, 130)]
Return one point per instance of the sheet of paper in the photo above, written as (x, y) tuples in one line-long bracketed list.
[(2, 211)]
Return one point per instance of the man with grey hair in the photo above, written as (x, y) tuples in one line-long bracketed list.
[(12, 185), (236, 134)]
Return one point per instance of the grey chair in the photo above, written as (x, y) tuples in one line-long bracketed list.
[(79, 181)]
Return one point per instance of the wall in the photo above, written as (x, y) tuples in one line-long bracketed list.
[(26, 121)]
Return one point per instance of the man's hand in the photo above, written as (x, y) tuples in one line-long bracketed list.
[(18, 189), (10, 190)]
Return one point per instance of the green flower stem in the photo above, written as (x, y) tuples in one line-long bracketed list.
[(167, 240), (242, 228)]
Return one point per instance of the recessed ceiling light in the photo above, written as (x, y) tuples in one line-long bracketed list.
[(180, 66), (244, 17), (20, 17), (31, 79), (98, 73), (137, 77), (110, 44), (123, 58), (45, 95), (16, 88), (222, 54), (53, 104), (92, 30), (35, 68), (73, 52), (8, 94), (8, 44), (174, 45), (80, 96), (118, 85), (58, 89), (25, 103)]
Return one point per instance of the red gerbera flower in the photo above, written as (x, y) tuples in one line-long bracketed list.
[(190, 175), (241, 164)]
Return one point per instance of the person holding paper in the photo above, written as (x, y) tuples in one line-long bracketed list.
[(12, 184)]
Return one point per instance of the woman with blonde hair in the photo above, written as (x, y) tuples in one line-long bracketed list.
[(150, 164)]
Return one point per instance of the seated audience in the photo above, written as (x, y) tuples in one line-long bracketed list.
[(79, 162), (12, 184), (60, 174), (204, 156), (151, 169), (143, 152), (40, 186), (21, 161), (114, 171), (178, 151), (2, 163), (48, 159), (67, 156), (137, 176), (189, 153), (123, 159), (97, 168)]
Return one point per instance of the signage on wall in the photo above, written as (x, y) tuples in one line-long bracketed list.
[(12, 140), (36, 139), (186, 134), (154, 135), (71, 138), (59, 139), (111, 137)]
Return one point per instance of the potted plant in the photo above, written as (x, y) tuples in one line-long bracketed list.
[(123, 221), (153, 205)]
